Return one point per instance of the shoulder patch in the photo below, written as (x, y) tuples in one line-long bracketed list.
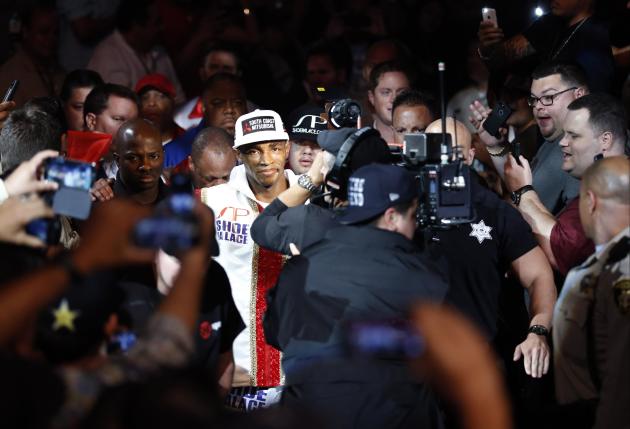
[(621, 293)]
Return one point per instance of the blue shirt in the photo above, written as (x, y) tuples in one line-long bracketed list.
[(179, 148)]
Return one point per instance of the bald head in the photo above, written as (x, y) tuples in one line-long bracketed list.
[(212, 158), (609, 179), (139, 154), (214, 139), (605, 198), (459, 135), (134, 129)]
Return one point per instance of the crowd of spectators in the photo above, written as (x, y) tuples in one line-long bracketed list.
[(210, 215)]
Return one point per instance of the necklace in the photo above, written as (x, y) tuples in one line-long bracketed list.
[(553, 57)]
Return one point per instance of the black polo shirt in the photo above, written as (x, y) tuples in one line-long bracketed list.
[(142, 274), (479, 254)]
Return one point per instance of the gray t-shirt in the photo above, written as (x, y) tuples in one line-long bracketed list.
[(554, 186)]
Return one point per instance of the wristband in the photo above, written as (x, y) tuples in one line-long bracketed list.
[(538, 330), (516, 195)]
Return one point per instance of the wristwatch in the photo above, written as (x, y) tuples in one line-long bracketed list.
[(305, 181), (516, 195), (538, 330)]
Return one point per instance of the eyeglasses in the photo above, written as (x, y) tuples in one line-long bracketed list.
[(546, 100)]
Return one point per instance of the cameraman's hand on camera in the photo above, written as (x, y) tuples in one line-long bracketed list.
[(102, 190), (106, 237), (24, 178), (16, 213), (319, 169), (489, 37), (479, 113), (516, 176)]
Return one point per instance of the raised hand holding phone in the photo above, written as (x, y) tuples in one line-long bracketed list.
[(10, 93), (7, 105), (490, 15)]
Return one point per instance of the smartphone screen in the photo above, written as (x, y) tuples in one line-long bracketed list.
[(389, 339), (489, 14), (70, 174), (75, 179)]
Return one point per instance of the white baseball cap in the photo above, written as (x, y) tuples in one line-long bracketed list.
[(259, 126)]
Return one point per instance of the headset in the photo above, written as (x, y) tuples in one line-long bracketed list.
[(337, 178)]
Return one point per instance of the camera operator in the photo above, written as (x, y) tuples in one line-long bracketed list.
[(287, 220), (498, 239), (369, 270)]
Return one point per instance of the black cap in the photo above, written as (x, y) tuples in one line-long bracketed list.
[(305, 123), (374, 188)]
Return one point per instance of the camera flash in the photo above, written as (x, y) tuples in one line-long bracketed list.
[(246, 11), (539, 11)]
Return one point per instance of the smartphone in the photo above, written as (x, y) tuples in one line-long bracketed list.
[(174, 226), (489, 14), (383, 339), (8, 96), (47, 230), (75, 179), (516, 152), (497, 118), (69, 173)]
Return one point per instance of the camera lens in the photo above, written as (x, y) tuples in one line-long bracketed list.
[(344, 113)]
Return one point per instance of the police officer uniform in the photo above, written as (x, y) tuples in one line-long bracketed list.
[(591, 334)]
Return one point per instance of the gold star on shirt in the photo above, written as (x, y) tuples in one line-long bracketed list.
[(64, 317)]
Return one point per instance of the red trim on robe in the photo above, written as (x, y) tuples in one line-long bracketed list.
[(268, 358)]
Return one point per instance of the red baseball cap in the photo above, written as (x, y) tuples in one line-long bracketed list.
[(156, 81)]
